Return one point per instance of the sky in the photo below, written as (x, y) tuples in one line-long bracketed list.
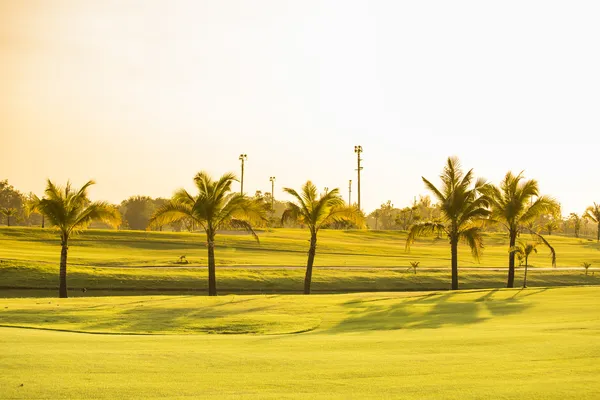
[(141, 95)]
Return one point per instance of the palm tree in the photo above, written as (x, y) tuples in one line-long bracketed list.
[(513, 205), (315, 212), (214, 208), (524, 249), (463, 211), (70, 211), (593, 214), (576, 221), (9, 212)]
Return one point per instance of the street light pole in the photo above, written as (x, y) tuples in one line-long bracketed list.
[(242, 158), (272, 179), (358, 150), (350, 192)]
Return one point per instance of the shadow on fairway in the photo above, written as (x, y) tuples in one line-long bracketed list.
[(429, 311), (160, 316)]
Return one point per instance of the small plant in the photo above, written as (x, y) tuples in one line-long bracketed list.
[(182, 260), (414, 265), (587, 266)]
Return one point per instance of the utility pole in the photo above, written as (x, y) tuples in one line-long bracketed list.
[(242, 158), (272, 179), (350, 192), (358, 150)]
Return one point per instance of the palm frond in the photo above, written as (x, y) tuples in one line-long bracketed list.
[(293, 213), (545, 242), (343, 212), (434, 190), (423, 229), (472, 236), (542, 205), (172, 211), (97, 211), (241, 224)]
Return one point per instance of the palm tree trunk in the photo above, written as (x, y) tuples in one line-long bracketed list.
[(212, 275), (309, 264), (8, 220), (598, 233), (525, 274), (43, 221), (511, 260), (454, 252), (62, 288)]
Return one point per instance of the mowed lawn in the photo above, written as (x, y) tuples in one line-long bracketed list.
[(277, 247), (540, 343), (102, 260)]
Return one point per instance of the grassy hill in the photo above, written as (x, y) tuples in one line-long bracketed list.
[(502, 344)]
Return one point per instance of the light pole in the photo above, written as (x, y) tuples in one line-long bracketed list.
[(242, 158), (272, 179), (350, 192), (358, 150)]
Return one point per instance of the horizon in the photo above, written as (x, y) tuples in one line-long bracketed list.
[(142, 98)]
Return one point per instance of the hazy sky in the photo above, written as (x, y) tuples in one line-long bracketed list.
[(140, 95)]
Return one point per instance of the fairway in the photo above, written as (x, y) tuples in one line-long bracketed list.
[(503, 344), (277, 247), (121, 262)]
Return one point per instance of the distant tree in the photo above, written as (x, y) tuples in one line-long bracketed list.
[(29, 212), (10, 199), (70, 211), (214, 208), (8, 213), (551, 226), (137, 211), (592, 213), (376, 214), (462, 211), (575, 221), (513, 205), (316, 211)]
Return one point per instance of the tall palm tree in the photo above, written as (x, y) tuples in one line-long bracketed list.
[(462, 209), (214, 208), (513, 205), (315, 212), (70, 211), (593, 214), (524, 249)]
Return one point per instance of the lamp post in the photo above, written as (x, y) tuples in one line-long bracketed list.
[(242, 158), (350, 192), (358, 150), (272, 179)]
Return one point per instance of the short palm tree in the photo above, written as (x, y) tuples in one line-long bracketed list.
[(513, 205), (315, 212), (9, 212), (214, 208), (593, 214), (523, 250), (463, 211), (70, 211), (575, 220)]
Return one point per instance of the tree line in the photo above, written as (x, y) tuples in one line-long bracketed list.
[(465, 207)]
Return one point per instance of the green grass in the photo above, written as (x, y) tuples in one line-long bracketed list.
[(503, 344), (277, 247), (103, 260)]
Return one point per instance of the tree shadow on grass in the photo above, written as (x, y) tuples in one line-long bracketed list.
[(157, 316), (427, 312)]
